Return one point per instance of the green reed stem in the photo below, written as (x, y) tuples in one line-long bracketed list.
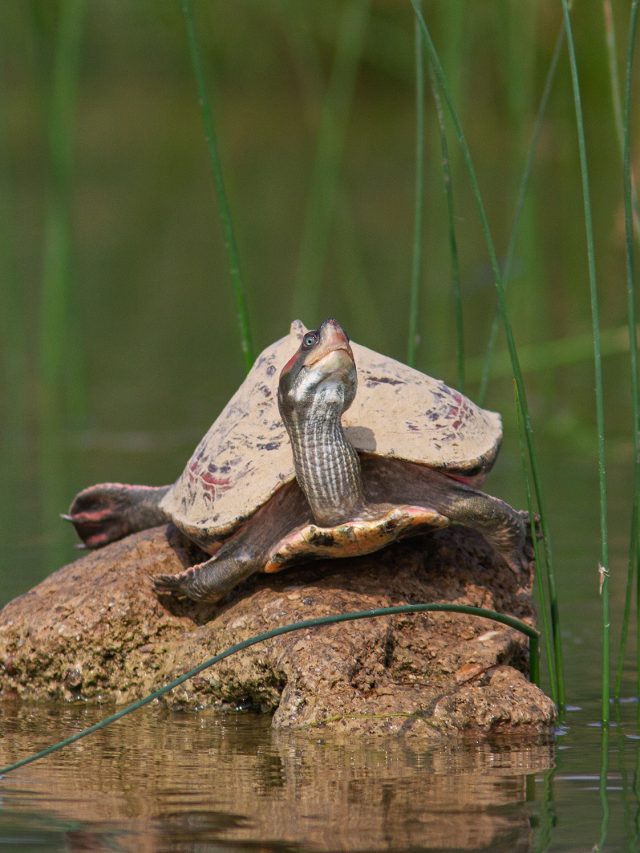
[(62, 384), (636, 486), (14, 341), (632, 573), (57, 364), (321, 202), (623, 123), (451, 225), (597, 357), (352, 275), (239, 292), (355, 283), (13, 307), (418, 223), (513, 353), (635, 788), (612, 58), (522, 194), (632, 565), (631, 201), (543, 604)]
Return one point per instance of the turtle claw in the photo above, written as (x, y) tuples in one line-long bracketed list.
[(536, 526), (208, 581), (169, 585), (66, 517), (520, 557), (183, 586), (166, 583)]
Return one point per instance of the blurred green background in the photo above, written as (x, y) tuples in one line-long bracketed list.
[(119, 337)]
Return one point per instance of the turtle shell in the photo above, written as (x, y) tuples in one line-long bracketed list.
[(398, 412)]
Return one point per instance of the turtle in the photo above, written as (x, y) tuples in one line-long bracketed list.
[(298, 466)]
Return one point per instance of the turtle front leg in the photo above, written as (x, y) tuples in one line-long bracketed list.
[(244, 553), (208, 581)]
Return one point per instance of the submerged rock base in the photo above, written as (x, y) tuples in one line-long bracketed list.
[(96, 630)]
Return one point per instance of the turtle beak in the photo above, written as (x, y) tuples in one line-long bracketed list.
[(334, 341)]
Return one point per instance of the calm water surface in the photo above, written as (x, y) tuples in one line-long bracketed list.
[(158, 781)]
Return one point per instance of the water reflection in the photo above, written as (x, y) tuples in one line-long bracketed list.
[(165, 781)]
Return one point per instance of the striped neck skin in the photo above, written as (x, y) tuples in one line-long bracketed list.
[(327, 466)]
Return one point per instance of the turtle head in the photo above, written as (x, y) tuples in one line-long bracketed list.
[(322, 371)]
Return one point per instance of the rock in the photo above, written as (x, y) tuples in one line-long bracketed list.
[(95, 630)]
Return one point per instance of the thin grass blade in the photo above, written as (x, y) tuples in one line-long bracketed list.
[(634, 545), (59, 366), (540, 589), (513, 353), (614, 79), (603, 568), (456, 287), (239, 291), (522, 194), (321, 202), (418, 222), (63, 395)]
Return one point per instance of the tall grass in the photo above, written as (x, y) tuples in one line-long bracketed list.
[(13, 309), (14, 355), (59, 363), (418, 223), (521, 198), (614, 79), (456, 286), (603, 568), (623, 123), (352, 279), (544, 609), (325, 174), (61, 357), (239, 291), (511, 345), (629, 221)]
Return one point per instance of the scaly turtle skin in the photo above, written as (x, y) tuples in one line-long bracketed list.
[(298, 466)]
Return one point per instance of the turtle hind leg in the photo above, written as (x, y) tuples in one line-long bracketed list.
[(109, 511), (508, 530)]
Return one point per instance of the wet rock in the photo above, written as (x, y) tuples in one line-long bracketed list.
[(96, 630)]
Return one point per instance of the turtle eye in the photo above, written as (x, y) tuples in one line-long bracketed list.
[(309, 340)]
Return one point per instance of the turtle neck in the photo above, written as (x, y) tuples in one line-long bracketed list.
[(327, 466)]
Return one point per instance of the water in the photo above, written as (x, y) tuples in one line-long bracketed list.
[(150, 355), (160, 781)]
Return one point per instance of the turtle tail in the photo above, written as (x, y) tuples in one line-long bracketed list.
[(110, 511)]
